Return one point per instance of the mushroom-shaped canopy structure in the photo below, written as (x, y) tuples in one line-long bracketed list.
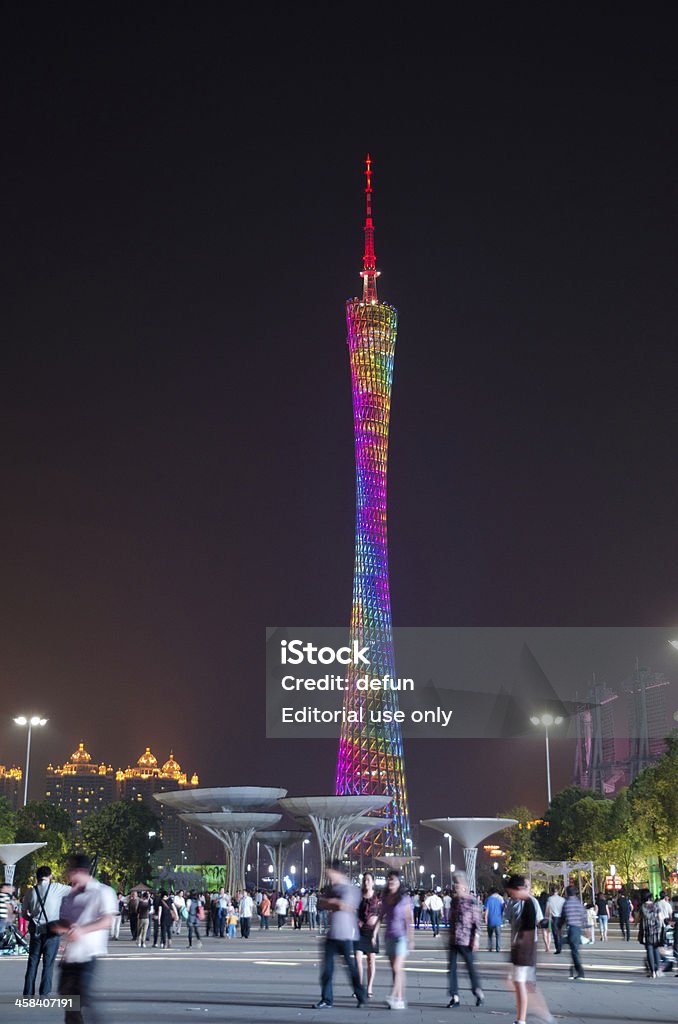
[(277, 841), (469, 832), (11, 853), (235, 831), (231, 813), (336, 820), (225, 798)]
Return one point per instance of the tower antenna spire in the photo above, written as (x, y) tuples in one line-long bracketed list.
[(369, 272)]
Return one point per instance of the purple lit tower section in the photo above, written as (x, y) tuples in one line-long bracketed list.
[(370, 750)]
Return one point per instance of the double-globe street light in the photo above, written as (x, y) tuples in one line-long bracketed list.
[(547, 721), (32, 721)]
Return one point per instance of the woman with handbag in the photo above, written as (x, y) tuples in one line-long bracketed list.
[(464, 937), (367, 944), (526, 915)]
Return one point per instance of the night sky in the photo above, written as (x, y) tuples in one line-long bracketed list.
[(182, 222)]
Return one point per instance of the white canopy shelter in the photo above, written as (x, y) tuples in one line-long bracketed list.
[(563, 869)]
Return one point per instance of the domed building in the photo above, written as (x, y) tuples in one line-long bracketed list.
[(80, 786), (141, 782)]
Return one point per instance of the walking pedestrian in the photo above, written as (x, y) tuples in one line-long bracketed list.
[(155, 918), (494, 916), (281, 907), (222, 903), (312, 910), (434, 905), (525, 915), (592, 911), (245, 910), (398, 921), (264, 912), (166, 917), (447, 903), (650, 931), (575, 918), (603, 914), (117, 917), (132, 910), (85, 921), (143, 915), (416, 909), (297, 911), (464, 938), (41, 907), (554, 914), (180, 907), (342, 900), (367, 943), (193, 906), (625, 911)]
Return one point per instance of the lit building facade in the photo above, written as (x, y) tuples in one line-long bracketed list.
[(10, 784), (370, 757), (80, 786), (148, 777)]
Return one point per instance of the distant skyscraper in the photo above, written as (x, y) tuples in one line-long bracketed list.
[(648, 721), (370, 751), (80, 786), (596, 764)]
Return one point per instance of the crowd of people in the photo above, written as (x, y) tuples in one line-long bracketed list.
[(356, 923)]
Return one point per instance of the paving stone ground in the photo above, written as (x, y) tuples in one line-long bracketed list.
[(274, 977)]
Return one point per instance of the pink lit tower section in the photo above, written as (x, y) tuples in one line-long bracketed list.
[(370, 758)]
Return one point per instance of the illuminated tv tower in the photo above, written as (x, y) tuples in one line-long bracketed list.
[(370, 751)]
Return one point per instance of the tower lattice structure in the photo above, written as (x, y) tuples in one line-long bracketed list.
[(370, 749)]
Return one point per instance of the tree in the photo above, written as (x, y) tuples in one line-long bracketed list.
[(42, 822), (7, 821), (591, 823), (558, 838), (118, 835), (518, 840), (625, 845), (653, 797)]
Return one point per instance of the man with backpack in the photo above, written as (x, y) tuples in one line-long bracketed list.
[(41, 907)]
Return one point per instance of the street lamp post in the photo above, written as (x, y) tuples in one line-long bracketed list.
[(303, 860), (547, 721), (440, 851), (409, 870), (449, 848), (31, 722)]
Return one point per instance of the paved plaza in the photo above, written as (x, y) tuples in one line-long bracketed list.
[(274, 977)]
